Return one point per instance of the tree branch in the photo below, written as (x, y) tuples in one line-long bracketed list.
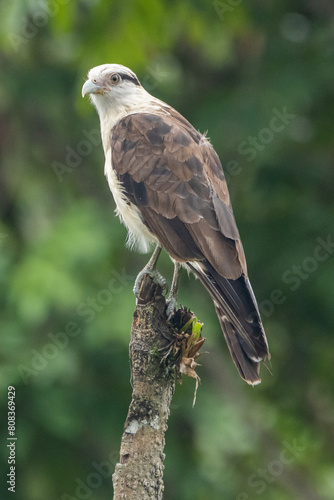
[(139, 475)]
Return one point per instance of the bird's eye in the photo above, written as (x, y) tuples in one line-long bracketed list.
[(115, 78)]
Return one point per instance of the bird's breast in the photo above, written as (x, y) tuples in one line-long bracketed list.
[(139, 237)]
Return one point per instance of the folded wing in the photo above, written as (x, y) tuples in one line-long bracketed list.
[(173, 175)]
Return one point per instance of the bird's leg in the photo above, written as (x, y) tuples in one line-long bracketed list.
[(172, 297), (151, 270)]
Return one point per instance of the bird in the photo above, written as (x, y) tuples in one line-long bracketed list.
[(170, 191)]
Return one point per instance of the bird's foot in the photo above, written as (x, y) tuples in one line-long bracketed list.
[(155, 275), (171, 306), (171, 300)]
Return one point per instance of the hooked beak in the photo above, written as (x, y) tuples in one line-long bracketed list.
[(90, 87)]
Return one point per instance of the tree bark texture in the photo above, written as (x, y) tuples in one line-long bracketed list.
[(139, 475)]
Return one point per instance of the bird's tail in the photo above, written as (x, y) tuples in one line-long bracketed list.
[(239, 319)]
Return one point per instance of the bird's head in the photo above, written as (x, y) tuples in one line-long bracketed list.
[(112, 86)]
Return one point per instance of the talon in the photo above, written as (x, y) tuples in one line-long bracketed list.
[(136, 287), (161, 281), (155, 275), (171, 303), (151, 271), (172, 298)]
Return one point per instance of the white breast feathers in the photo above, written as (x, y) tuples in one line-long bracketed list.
[(139, 237)]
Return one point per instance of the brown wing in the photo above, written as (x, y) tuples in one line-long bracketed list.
[(172, 173)]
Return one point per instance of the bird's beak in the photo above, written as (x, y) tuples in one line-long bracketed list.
[(90, 87)]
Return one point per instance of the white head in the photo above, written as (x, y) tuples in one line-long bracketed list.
[(114, 89)]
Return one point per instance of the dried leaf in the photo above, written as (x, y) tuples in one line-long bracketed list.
[(188, 343)]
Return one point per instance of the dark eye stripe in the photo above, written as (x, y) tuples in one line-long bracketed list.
[(132, 79)]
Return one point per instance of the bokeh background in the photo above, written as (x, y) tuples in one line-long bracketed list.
[(259, 76)]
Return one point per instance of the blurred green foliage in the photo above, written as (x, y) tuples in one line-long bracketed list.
[(66, 281)]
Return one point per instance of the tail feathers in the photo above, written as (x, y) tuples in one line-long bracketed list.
[(239, 319), (248, 369)]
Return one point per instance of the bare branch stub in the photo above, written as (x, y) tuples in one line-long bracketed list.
[(139, 475)]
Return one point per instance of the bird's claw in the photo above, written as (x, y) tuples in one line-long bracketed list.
[(155, 275), (171, 306)]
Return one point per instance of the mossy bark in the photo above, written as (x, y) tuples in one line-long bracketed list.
[(139, 475)]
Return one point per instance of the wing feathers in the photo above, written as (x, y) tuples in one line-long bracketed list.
[(178, 175), (174, 176)]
